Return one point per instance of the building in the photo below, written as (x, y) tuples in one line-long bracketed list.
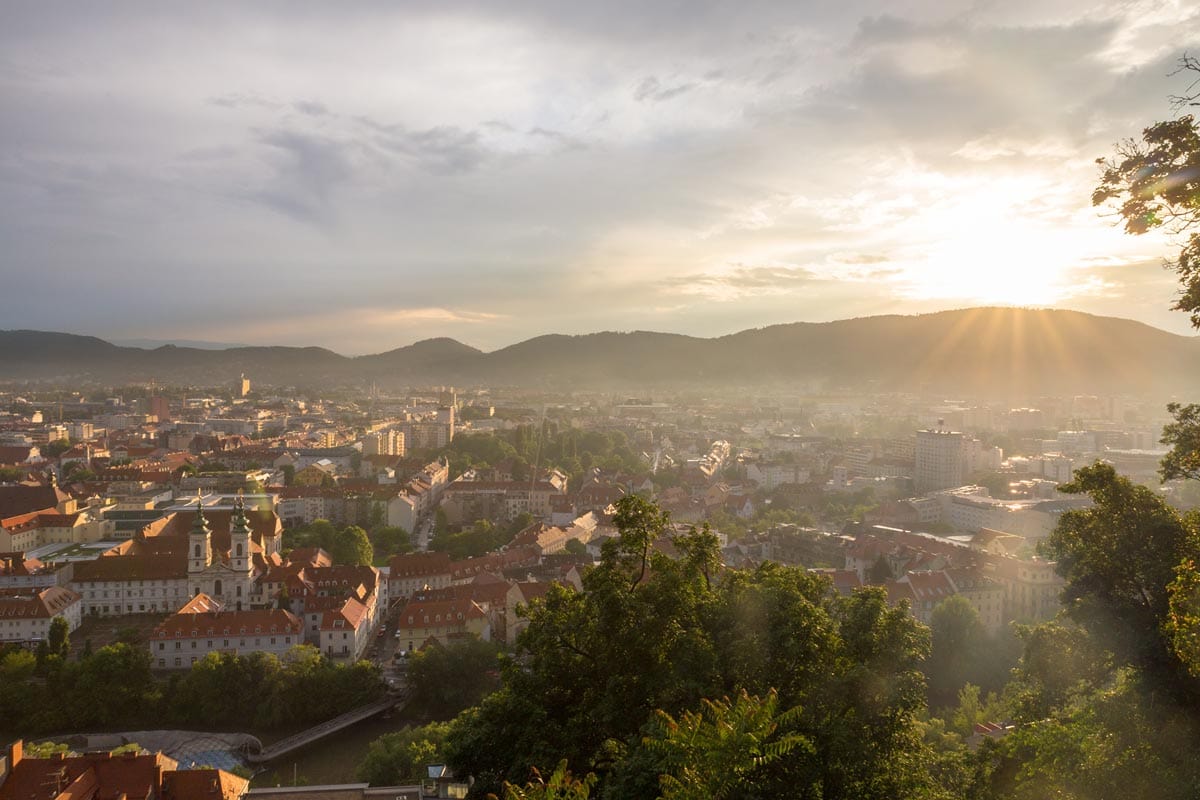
[(340, 606), (346, 629), (939, 462), (101, 776), (26, 614), (19, 572), (384, 443), (33, 516), (411, 572), (441, 621), (160, 407), (218, 553), (203, 626)]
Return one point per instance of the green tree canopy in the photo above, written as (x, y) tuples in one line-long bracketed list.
[(401, 757), (447, 679), (1119, 558), (351, 545), (1155, 183), (650, 633)]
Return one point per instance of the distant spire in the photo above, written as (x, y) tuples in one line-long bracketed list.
[(200, 524), (241, 525)]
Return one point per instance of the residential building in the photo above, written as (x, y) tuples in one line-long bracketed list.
[(204, 626), (441, 621), (26, 614), (100, 776), (411, 572)]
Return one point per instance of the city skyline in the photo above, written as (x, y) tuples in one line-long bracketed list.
[(363, 178)]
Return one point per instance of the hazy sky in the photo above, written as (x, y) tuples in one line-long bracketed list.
[(362, 176)]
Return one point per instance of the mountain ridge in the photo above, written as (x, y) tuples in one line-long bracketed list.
[(976, 350)]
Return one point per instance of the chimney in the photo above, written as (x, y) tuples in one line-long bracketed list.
[(16, 751)]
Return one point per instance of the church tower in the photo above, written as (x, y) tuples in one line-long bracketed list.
[(199, 542), (239, 540)]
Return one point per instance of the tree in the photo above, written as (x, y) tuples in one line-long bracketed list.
[(56, 448), (391, 539), (1155, 183), (880, 571), (1183, 461), (561, 785), (1119, 558), (713, 752), (378, 516), (653, 633), (319, 533), (401, 757), (447, 679), (352, 546), (958, 640), (59, 637)]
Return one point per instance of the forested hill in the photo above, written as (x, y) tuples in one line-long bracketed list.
[(998, 351)]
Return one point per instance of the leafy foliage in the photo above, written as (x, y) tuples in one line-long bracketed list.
[(351, 545), (1155, 183), (447, 679), (713, 752), (1119, 557), (1183, 461), (114, 688), (400, 757), (561, 785), (651, 633)]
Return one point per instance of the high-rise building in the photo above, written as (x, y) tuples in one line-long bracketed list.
[(940, 462), (160, 407), (384, 443), (242, 386)]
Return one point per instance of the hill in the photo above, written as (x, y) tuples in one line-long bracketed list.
[(995, 351)]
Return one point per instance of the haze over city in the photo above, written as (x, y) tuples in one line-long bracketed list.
[(267, 174)]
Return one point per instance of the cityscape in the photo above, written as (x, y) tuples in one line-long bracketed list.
[(487, 402)]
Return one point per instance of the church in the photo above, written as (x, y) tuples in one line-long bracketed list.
[(219, 553)]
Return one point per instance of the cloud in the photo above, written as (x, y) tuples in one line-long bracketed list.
[(308, 169), (740, 282), (566, 166), (311, 108), (650, 90)]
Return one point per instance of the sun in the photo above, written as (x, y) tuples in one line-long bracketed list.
[(994, 247)]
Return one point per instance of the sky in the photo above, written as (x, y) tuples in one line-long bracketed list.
[(362, 176)]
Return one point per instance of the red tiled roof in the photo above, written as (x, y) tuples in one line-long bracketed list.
[(20, 499), (438, 611), (40, 604), (411, 565), (133, 567), (350, 613), (203, 616), (202, 784), (94, 775)]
